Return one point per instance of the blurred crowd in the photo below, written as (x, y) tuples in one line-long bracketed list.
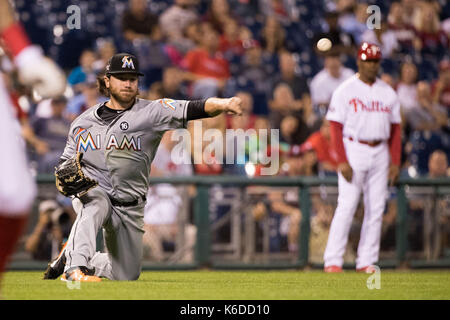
[(284, 58)]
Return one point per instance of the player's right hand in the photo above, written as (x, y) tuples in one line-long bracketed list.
[(41, 73), (346, 170), (234, 106)]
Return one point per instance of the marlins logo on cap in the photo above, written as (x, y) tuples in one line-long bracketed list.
[(123, 63), (127, 62)]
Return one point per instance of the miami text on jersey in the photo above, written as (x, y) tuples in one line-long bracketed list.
[(90, 143), (374, 106), (126, 143)]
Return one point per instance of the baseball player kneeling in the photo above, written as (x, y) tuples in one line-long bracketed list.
[(364, 116), (105, 168)]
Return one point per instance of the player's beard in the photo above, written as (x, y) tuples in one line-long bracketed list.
[(123, 98)]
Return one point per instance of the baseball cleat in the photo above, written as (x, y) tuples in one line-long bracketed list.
[(367, 269), (332, 269), (56, 267), (81, 274)]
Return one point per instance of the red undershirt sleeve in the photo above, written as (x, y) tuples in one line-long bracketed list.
[(395, 143), (15, 38), (337, 141)]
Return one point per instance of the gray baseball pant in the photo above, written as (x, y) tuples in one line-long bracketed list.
[(123, 232)]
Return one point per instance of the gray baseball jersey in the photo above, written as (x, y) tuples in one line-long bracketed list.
[(119, 154)]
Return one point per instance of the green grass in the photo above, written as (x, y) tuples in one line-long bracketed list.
[(236, 285)]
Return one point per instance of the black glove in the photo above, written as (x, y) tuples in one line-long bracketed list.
[(70, 179)]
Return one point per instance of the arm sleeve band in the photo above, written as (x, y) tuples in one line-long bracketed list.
[(196, 110)]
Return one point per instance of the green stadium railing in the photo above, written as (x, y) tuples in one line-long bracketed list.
[(441, 186)]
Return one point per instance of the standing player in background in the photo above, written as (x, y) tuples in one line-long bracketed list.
[(364, 116), (17, 188), (118, 140)]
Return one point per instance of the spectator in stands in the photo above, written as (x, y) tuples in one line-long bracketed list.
[(428, 116), (407, 87), (254, 74), (273, 36), (190, 39), (163, 215), (384, 38), (409, 8), (341, 41), (430, 129), (138, 22), (354, 21), (50, 232), (88, 97), (176, 18), (286, 115), (389, 79), (232, 144), (218, 15), (431, 39), (206, 67), (282, 206), (319, 142), (441, 87), (284, 11), (53, 131), (105, 49), (79, 74), (437, 224), (299, 88), (326, 81), (403, 31), (438, 165), (171, 84), (206, 161), (289, 75), (230, 42)]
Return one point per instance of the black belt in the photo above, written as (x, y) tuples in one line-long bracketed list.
[(118, 203)]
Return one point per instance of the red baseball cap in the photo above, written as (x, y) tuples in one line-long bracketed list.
[(369, 51)]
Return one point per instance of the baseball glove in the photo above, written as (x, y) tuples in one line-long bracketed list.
[(70, 179)]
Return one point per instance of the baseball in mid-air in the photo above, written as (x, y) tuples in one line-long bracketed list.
[(324, 44)]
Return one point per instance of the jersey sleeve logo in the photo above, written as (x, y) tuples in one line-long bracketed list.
[(168, 103)]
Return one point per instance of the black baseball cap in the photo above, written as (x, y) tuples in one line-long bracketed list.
[(123, 63)]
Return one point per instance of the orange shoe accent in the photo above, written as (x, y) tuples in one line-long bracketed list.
[(332, 269), (78, 275), (62, 250)]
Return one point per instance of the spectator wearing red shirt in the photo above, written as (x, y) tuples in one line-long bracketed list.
[(206, 66), (320, 143)]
